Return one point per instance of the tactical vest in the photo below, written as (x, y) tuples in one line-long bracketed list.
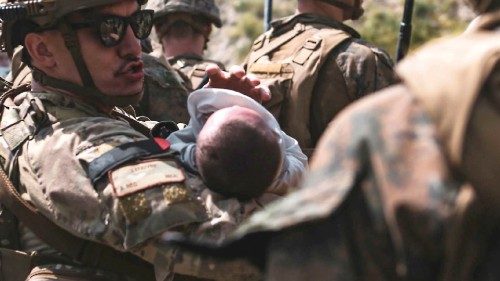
[(289, 64), (16, 127)]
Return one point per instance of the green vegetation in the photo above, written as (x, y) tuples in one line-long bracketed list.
[(431, 19)]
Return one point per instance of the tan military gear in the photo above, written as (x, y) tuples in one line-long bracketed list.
[(205, 8), (315, 67), (194, 67), (385, 199)]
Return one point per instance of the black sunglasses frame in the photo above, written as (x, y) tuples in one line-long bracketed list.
[(130, 20)]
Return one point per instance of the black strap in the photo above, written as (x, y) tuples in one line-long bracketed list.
[(72, 44), (82, 251), (119, 155)]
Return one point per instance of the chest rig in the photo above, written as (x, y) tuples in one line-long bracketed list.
[(288, 59)]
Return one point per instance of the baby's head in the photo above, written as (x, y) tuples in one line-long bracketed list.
[(237, 153)]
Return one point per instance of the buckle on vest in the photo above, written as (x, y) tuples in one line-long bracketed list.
[(307, 50), (312, 43)]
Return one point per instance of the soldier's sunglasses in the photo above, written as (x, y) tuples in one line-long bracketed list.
[(111, 28)]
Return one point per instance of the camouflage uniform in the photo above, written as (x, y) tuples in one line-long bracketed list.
[(405, 186), (192, 65), (165, 92), (100, 175), (315, 66), (112, 204)]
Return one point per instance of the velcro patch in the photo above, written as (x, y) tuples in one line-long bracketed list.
[(265, 68), (144, 175)]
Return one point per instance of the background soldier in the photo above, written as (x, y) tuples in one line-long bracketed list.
[(315, 66), (89, 178), (405, 184), (183, 28)]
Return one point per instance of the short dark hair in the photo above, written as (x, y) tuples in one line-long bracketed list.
[(241, 160)]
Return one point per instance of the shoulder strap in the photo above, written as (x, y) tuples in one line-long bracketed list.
[(80, 250), (261, 50), (332, 39)]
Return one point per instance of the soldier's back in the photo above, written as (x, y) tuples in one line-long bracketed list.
[(315, 67)]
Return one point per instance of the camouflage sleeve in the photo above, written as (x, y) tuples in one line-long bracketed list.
[(92, 177), (164, 97), (169, 260), (350, 72), (366, 69)]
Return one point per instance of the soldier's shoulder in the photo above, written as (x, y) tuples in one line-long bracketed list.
[(359, 51), (61, 117)]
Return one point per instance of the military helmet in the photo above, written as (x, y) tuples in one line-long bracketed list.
[(206, 8), (480, 6), (45, 13)]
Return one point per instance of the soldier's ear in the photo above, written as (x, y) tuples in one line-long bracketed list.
[(38, 50)]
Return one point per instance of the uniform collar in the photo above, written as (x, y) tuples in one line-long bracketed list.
[(290, 21)]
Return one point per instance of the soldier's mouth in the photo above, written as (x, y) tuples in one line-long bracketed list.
[(133, 71)]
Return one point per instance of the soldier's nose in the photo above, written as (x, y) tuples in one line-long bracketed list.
[(130, 45)]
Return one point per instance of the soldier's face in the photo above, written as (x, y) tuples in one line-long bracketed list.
[(117, 70), (180, 35)]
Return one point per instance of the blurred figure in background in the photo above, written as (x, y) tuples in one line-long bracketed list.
[(183, 29), (405, 183)]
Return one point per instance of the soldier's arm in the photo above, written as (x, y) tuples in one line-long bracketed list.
[(366, 68), (352, 71), (101, 180), (169, 260)]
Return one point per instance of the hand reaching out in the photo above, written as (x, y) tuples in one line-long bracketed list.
[(237, 80)]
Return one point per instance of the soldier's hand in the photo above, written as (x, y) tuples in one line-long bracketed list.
[(238, 81)]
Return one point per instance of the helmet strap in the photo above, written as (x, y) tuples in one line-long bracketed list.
[(88, 90)]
